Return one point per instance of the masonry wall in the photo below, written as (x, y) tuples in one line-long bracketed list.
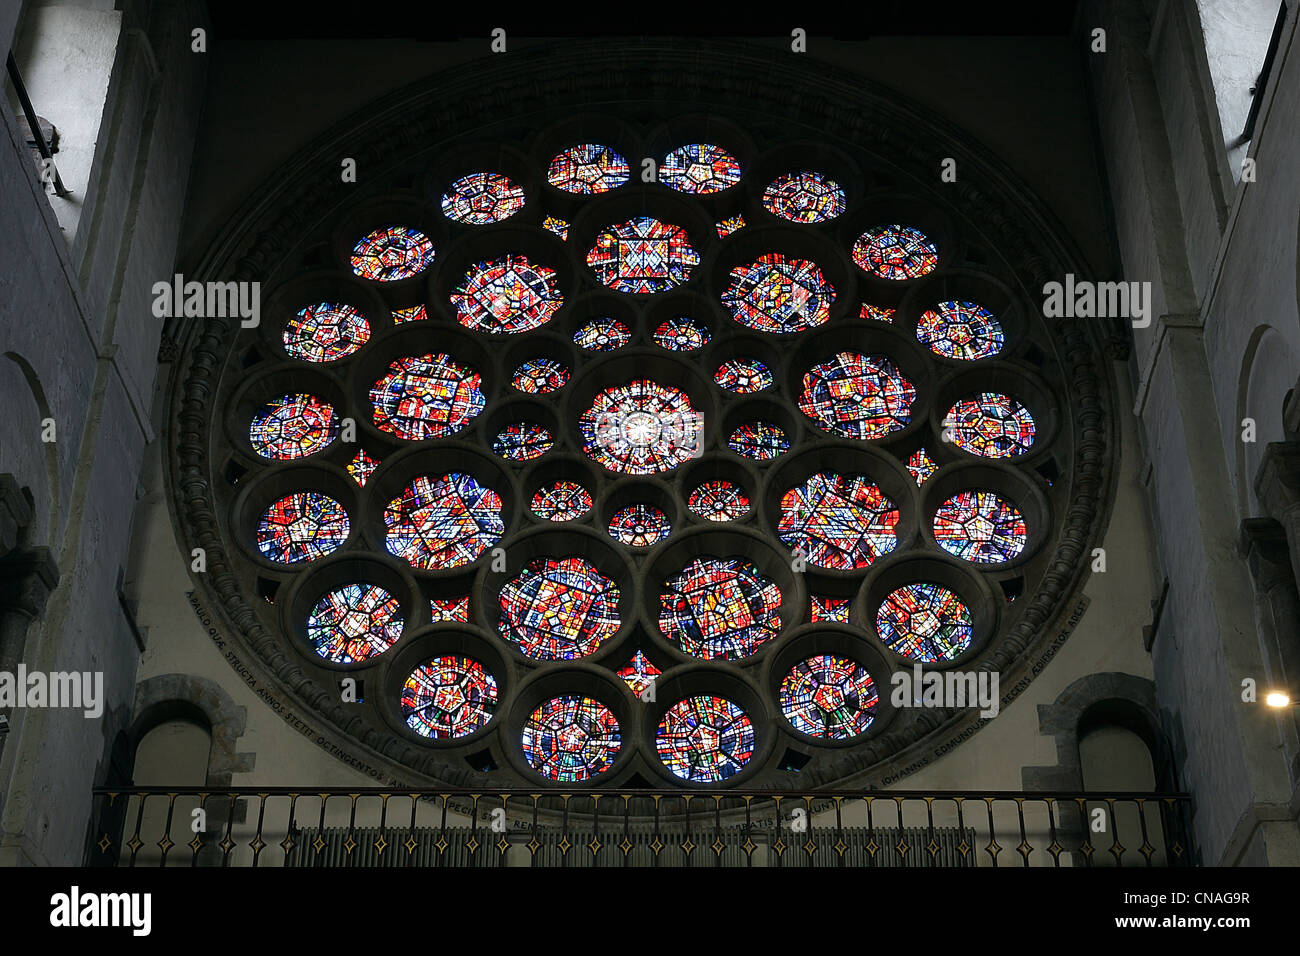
[(79, 346), (1221, 255)]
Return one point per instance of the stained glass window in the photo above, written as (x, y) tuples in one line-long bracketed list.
[(699, 168), (641, 428), (828, 696), (302, 526), (720, 608), (960, 330), (761, 441), (991, 425), (557, 226), (642, 255), (895, 252), (639, 526), (681, 334), (779, 294), (391, 253), (293, 426), (361, 467), (561, 501), (540, 376), (482, 198), (522, 441), (415, 313), (743, 376), (718, 500), (639, 673), (980, 526), (705, 739), (924, 622), (841, 522), (876, 313), (426, 396), (588, 169), (449, 609), (558, 609), (828, 609), (325, 332), (449, 697), (858, 396), (571, 738), (443, 522), (726, 227), (354, 623), (804, 197), (602, 335), (506, 296), (921, 465)]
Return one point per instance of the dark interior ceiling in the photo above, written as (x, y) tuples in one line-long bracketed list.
[(442, 21)]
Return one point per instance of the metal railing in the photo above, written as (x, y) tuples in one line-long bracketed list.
[(366, 827)]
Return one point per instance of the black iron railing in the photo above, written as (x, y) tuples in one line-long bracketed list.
[(161, 826)]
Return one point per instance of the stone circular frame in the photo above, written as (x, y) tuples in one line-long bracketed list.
[(294, 235)]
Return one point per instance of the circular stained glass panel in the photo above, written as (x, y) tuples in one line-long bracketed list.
[(639, 526), (641, 428), (556, 610), (682, 334), (840, 522), (761, 441), (858, 396), (354, 623), (743, 376), (293, 427), (302, 526), (588, 169), (392, 253), (444, 522), (779, 294), (980, 526), (830, 697), (804, 197), (449, 697), (561, 501), (571, 739), (705, 739), (482, 198), (925, 622), (720, 608), (991, 425), (960, 330), (718, 500), (642, 255), (896, 253), (522, 441), (700, 169), (540, 376), (506, 296), (325, 332), (426, 396)]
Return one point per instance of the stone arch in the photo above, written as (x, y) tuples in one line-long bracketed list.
[(1108, 699), (1269, 367), (44, 528), (200, 701)]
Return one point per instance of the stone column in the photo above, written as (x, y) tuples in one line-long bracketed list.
[(27, 578), (1277, 486)]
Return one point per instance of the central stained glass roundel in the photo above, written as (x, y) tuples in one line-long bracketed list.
[(642, 255), (857, 396), (641, 428)]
